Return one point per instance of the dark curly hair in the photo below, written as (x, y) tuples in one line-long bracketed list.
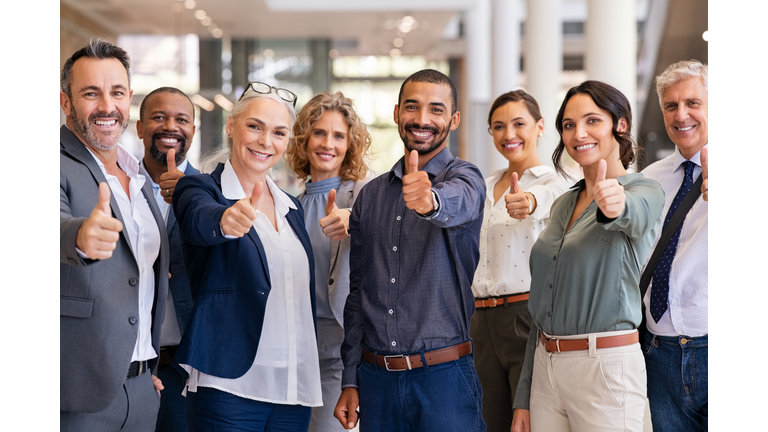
[(607, 98)]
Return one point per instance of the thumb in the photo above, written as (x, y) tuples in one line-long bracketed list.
[(602, 167), (705, 163), (256, 194), (413, 162), (171, 160), (104, 195), (514, 187), (331, 202)]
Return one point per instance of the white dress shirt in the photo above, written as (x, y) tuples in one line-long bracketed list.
[(170, 334), (140, 227), (505, 243), (286, 369), (688, 279)]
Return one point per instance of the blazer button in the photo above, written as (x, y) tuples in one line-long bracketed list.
[(133, 281), (214, 233), (330, 281), (132, 320)]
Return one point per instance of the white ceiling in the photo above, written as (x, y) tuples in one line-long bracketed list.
[(365, 22)]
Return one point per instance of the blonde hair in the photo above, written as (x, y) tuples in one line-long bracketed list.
[(355, 165)]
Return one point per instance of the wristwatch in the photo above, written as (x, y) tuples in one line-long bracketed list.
[(435, 204), (530, 206)]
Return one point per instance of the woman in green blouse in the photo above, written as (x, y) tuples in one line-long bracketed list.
[(584, 370)]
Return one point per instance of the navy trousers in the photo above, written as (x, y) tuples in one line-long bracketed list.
[(441, 398)]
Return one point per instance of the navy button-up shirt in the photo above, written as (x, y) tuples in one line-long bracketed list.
[(411, 276)]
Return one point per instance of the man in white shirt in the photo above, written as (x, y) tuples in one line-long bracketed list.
[(114, 254), (676, 301)]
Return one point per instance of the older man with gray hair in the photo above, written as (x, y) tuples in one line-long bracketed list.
[(676, 302)]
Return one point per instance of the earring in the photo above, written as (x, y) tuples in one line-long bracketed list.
[(541, 133)]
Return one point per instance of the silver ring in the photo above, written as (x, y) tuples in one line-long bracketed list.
[(514, 212), (167, 192)]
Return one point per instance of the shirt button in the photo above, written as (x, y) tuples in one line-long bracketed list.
[(398, 218), (394, 248), (132, 320), (133, 281), (394, 343), (550, 286), (393, 280), (549, 313), (554, 258), (391, 311)]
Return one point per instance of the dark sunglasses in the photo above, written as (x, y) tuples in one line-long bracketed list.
[(264, 88)]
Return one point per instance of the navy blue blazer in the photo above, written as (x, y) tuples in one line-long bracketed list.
[(229, 279)]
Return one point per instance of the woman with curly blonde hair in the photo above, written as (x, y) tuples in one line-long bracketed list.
[(329, 154)]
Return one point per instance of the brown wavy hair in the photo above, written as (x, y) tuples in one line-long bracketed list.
[(355, 164)]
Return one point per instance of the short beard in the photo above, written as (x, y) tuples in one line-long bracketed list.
[(162, 158), (437, 140), (85, 130)]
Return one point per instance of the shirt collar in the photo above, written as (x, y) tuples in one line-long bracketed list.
[(182, 168), (233, 190), (434, 167), (126, 161), (536, 171), (679, 159)]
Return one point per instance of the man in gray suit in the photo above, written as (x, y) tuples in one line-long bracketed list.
[(114, 254), (166, 126)]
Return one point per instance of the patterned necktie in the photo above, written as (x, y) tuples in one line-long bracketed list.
[(660, 288)]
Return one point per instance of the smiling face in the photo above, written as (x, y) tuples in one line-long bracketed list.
[(167, 124), (588, 132), (515, 133), (424, 116), (684, 105), (327, 145), (259, 136), (98, 110)]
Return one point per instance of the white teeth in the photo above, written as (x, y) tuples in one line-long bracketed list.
[(325, 157), (511, 146), (421, 134), (683, 129), (585, 146), (169, 140), (259, 154), (105, 123)]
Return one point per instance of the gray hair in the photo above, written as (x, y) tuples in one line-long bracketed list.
[(210, 161), (98, 49), (681, 71)]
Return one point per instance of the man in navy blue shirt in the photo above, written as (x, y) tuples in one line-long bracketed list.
[(415, 231)]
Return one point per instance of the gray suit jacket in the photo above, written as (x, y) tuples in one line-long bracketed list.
[(338, 277), (99, 298)]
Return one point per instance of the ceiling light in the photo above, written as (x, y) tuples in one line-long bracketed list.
[(705, 35), (200, 14), (190, 4), (217, 33), (224, 102), (397, 42), (202, 102), (395, 53), (206, 21)]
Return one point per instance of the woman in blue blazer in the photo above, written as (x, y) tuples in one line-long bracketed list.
[(250, 347), (331, 146)]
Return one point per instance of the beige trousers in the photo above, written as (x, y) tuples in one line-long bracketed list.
[(593, 390)]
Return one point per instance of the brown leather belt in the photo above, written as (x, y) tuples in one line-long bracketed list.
[(407, 362), (166, 355), (561, 345), (496, 301)]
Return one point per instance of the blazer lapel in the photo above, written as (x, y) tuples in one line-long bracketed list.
[(71, 145)]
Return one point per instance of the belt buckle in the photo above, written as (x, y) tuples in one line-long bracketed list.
[(407, 362), (556, 341)]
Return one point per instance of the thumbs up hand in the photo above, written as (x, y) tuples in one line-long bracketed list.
[(335, 224), (417, 189), (518, 202), (98, 235), (169, 179), (238, 219), (608, 194), (705, 173)]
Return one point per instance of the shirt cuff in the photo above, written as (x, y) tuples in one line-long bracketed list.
[(435, 214)]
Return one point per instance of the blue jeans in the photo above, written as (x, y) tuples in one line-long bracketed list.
[(441, 398), (212, 410), (677, 382)]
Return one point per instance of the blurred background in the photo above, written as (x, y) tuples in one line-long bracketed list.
[(211, 49)]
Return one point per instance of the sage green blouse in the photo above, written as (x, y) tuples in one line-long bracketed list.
[(586, 280)]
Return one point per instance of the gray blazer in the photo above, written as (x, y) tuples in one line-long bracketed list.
[(99, 298), (338, 277)]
